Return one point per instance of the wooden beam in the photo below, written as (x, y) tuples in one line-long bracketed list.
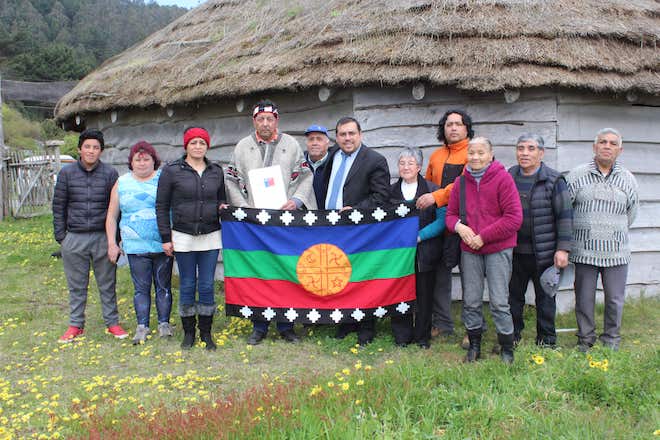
[(48, 92), (2, 161)]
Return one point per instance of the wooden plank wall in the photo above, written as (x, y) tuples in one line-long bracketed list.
[(580, 116), (395, 119), (567, 121), (392, 118), (226, 125), (45, 92)]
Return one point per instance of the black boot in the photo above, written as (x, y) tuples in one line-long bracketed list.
[(204, 324), (506, 342), (474, 349), (188, 323)]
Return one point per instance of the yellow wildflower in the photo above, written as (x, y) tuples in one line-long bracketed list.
[(538, 359)]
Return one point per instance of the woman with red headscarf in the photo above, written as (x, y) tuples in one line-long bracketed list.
[(190, 192)]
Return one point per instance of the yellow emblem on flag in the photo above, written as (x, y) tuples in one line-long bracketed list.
[(323, 269)]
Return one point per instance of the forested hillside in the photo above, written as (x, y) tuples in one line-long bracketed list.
[(42, 40)]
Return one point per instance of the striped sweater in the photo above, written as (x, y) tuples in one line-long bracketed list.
[(604, 207)]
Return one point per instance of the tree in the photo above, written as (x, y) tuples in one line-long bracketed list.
[(54, 62), (65, 39)]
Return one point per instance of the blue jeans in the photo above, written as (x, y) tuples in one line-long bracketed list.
[(196, 273), (145, 268)]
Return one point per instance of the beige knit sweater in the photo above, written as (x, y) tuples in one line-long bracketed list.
[(285, 152)]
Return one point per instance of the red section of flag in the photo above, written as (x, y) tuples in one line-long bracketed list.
[(278, 293)]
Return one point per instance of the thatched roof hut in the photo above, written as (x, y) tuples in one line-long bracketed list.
[(228, 48), (561, 68)]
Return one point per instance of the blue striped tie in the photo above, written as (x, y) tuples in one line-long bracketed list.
[(336, 184)]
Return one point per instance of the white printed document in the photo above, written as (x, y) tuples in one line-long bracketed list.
[(268, 191)]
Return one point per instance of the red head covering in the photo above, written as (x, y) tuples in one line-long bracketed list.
[(196, 132)]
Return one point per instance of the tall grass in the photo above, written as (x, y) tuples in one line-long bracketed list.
[(323, 388)]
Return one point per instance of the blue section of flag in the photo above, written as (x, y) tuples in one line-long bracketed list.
[(293, 240)]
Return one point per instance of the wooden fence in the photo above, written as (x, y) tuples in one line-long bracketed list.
[(29, 180)]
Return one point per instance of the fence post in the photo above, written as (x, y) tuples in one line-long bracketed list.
[(52, 150), (3, 168)]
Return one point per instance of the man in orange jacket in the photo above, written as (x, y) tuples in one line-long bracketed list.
[(445, 164)]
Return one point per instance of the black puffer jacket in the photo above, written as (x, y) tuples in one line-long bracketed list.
[(80, 201), (193, 200)]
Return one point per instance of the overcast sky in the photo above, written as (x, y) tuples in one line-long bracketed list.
[(182, 3)]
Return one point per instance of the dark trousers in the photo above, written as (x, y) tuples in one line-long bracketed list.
[(402, 326), (262, 326), (524, 269), (366, 329), (614, 291)]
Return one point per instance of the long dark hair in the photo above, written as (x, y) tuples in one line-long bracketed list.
[(467, 121)]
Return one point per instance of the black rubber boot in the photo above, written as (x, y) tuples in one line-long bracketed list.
[(506, 342), (188, 323), (474, 349), (205, 322)]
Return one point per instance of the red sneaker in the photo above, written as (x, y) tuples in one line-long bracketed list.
[(117, 331), (71, 333)]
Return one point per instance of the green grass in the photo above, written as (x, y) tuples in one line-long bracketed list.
[(323, 388)]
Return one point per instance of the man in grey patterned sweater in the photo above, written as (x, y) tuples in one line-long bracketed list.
[(605, 202)]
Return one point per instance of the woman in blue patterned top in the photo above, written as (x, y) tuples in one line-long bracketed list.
[(134, 196)]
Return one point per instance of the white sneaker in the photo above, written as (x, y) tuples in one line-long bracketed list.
[(141, 334), (165, 330)]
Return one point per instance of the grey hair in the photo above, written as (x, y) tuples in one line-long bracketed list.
[(413, 152), (536, 138), (608, 130), (481, 140)]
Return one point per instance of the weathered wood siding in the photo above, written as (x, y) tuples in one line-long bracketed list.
[(392, 118), (567, 121), (225, 124), (580, 116), (44, 92)]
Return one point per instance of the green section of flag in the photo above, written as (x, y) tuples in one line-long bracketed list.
[(382, 264)]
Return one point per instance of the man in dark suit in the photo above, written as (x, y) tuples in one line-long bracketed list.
[(355, 177)]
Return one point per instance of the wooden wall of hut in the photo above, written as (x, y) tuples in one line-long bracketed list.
[(392, 118)]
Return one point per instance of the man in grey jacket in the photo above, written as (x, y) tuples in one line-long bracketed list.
[(80, 205)]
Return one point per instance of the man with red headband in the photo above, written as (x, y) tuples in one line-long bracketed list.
[(266, 147)]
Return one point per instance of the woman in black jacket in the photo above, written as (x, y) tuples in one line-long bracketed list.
[(408, 188), (190, 192)]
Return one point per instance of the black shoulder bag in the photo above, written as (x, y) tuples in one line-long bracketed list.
[(451, 246)]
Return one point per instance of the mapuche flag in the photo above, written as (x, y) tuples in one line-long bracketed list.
[(319, 266)]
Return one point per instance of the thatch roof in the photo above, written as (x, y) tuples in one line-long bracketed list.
[(227, 48)]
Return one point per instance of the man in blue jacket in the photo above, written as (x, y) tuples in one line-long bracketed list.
[(80, 205)]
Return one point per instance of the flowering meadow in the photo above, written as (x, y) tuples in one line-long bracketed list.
[(100, 387)]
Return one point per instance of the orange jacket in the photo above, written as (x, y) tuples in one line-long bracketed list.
[(448, 161)]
